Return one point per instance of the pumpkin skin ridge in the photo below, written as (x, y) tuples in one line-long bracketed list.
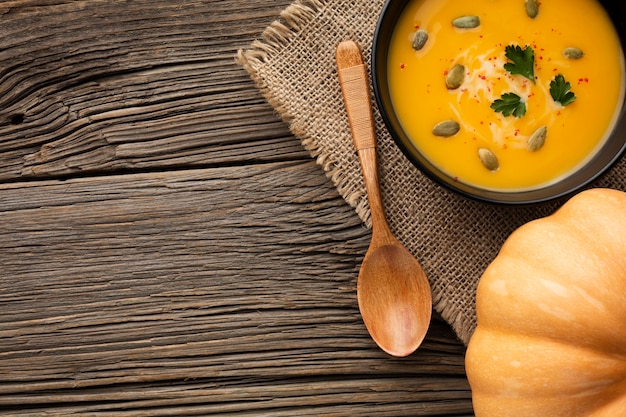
[(610, 391), (505, 318), (500, 324), (602, 245), (616, 365)]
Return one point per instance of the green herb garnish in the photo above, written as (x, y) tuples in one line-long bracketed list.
[(523, 61), (510, 104), (560, 91)]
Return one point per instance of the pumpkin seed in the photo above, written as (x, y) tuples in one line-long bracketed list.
[(488, 159), (573, 53), (466, 22), (455, 77), (446, 128), (532, 8), (537, 139), (419, 39)]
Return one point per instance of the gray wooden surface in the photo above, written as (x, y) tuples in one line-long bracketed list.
[(167, 247)]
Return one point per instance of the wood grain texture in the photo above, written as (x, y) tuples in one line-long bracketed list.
[(167, 247), (101, 85), (150, 290)]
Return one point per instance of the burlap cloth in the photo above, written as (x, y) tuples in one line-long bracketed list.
[(454, 239)]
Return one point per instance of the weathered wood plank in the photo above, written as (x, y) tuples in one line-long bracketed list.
[(99, 86), (225, 291), (327, 398)]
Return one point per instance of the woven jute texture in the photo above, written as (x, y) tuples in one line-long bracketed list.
[(293, 64)]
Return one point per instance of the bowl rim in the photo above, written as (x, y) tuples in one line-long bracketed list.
[(602, 161)]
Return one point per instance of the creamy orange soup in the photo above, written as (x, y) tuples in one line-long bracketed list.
[(421, 98)]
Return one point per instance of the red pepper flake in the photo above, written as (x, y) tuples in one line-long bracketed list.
[(482, 77), (416, 26), (445, 72), (402, 66), (516, 133)]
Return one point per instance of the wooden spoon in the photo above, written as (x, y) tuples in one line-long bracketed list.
[(393, 292)]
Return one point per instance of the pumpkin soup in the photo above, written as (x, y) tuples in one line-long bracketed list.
[(506, 94)]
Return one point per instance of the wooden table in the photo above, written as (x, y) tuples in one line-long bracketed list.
[(167, 247)]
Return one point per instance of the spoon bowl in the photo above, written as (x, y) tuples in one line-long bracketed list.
[(388, 292), (393, 291)]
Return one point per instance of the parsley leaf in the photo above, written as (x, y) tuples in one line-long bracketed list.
[(510, 104), (560, 90), (523, 61)]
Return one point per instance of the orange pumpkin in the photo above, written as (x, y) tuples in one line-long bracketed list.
[(550, 339)]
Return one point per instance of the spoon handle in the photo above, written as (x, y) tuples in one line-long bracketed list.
[(356, 94)]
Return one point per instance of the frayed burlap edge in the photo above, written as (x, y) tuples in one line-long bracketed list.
[(273, 39)]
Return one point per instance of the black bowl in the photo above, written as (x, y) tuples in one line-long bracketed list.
[(606, 157)]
